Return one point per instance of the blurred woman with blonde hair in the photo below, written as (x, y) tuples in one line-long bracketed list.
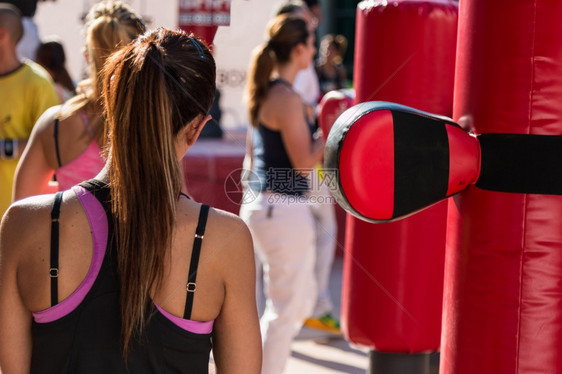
[(67, 140)]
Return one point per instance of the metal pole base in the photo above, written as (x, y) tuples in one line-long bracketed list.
[(398, 363)]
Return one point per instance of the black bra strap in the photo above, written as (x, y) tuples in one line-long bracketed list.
[(56, 134), (54, 269), (191, 286)]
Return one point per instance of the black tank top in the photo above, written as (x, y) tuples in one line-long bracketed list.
[(272, 165), (87, 340)]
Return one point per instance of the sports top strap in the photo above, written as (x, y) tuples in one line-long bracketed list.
[(54, 269), (191, 285)]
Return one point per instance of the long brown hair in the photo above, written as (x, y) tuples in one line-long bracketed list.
[(109, 25), (152, 89), (285, 32)]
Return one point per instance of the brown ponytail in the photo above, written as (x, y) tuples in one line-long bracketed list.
[(261, 68), (285, 32), (152, 90)]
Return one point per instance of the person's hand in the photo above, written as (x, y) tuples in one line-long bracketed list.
[(318, 134)]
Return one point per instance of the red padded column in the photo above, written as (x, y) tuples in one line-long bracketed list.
[(333, 104), (503, 294), (405, 53), (393, 272)]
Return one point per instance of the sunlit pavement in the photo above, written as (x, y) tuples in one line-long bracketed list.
[(317, 352)]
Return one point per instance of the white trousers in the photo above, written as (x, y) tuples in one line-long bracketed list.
[(284, 238), (324, 215)]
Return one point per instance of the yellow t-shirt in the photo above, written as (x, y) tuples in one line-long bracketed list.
[(24, 95)]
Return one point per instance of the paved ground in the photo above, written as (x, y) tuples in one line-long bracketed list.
[(314, 354), (317, 352)]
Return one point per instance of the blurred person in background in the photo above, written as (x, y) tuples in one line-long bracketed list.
[(320, 200), (331, 72), (283, 150), (68, 140), (30, 40), (26, 91), (306, 83), (50, 54)]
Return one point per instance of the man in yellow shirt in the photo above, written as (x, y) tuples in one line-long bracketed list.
[(26, 91)]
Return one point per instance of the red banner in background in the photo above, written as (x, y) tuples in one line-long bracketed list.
[(202, 17)]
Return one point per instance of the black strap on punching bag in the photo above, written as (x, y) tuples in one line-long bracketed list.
[(521, 163)]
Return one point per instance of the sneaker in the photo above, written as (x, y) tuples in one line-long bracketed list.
[(327, 322)]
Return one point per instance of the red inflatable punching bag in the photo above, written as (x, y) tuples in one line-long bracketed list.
[(503, 293), (393, 272), (333, 104)]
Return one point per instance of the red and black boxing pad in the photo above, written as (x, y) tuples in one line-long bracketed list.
[(386, 161), (333, 104)]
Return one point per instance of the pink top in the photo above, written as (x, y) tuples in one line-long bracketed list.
[(98, 223), (84, 167)]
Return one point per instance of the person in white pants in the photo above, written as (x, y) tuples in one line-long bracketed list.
[(323, 212), (307, 86), (283, 153), (284, 241)]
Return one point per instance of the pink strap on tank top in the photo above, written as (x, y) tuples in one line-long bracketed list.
[(196, 327), (98, 225)]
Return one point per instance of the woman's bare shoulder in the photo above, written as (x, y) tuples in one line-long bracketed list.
[(283, 93), (24, 223), (222, 227), (26, 215), (229, 226), (279, 105), (232, 245), (28, 208), (230, 235), (45, 123)]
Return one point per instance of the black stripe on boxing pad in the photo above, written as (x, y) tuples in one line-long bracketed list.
[(521, 163), (387, 160), (421, 156)]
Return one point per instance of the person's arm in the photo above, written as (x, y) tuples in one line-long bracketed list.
[(34, 170), (15, 319), (236, 335), (342, 73), (303, 153), (249, 156)]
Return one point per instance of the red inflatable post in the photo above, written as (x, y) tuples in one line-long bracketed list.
[(503, 294), (203, 17), (393, 272), (333, 104)]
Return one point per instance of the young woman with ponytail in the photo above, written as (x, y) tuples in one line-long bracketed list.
[(67, 140), (283, 152), (137, 278)]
